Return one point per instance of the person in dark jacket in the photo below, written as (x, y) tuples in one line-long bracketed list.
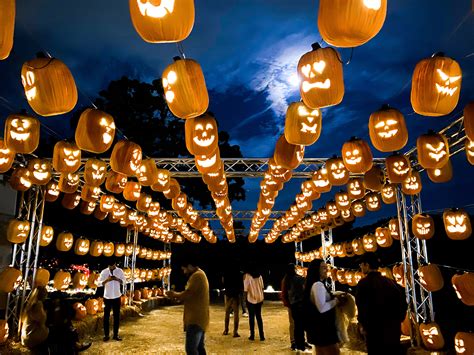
[(381, 307), (233, 285)]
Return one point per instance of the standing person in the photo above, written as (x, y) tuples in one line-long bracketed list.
[(243, 301), (381, 307), (34, 332), (286, 303), (112, 278), (233, 287), (320, 310), (253, 289), (196, 307)]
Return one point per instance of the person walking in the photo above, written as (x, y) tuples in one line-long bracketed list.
[(253, 289), (232, 281), (382, 306), (112, 278), (196, 307), (319, 310)]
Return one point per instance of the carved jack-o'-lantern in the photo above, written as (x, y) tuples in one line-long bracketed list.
[(100, 215), (422, 226), (350, 23), (358, 208), (68, 182), (42, 277), (10, 279), (95, 171), (278, 172), (302, 124), (52, 191), (119, 250), (433, 150), (7, 156), (430, 277), (62, 279), (321, 77), (81, 246), (389, 193), (180, 202), (431, 336), (173, 189), (71, 201), (162, 21), (399, 274), (97, 248), (93, 281), (201, 135), (208, 163), (147, 173), (49, 86), (440, 175), (383, 237), (115, 182), (398, 168), (372, 201), (109, 249), (132, 191), (464, 343), (287, 155), (457, 224), (185, 88), (347, 215), (20, 179), (331, 208), (412, 184), (435, 86), (90, 193), (358, 246), (95, 131), (64, 241), (387, 128), (79, 280), (163, 180), (394, 227), (66, 157), (357, 156), (40, 171), (143, 202), (153, 209), (47, 234), (22, 133), (323, 215), (343, 201), (18, 231), (92, 306), (80, 311), (7, 19), (374, 178), (337, 172), (369, 242), (107, 203), (356, 188), (126, 157), (464, 287)]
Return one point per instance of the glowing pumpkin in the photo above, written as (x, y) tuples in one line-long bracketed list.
[(42, 278), (358, 208), (430, 277), (71, 201), (81, 246), (115, 182), (10, 279), (47, 234), (337, 172), (357, 156), (144, 202), (163, 181), (93, 281), (7, 28), (109, 249), (61, 280), (431, 336), (369, 242), (7, 157), (126, 157), (68, 183), (79, 280), (64, 241), (389, 193), (95, 131), (40, 171), (398, 168), (412, 184), (92, 306), (464, 287), (440, 175), (201, 135), (374, 178), (80, 311), (394, 227), (147, 173), (372, 201), (20, 179), (422, 226), (97, 248), (18, 231), (132, 191), (66, 157), (302, 124), (388, 130), (433, 150), (383, 237), (22, 133), (356, 188), (100, 215), (457, 224), (90, 193), (95, 172), (52, 191), (464, 343)]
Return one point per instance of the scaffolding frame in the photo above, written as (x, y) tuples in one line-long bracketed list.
[(299, 249), (166, 281), (326, 242), (133, 262)]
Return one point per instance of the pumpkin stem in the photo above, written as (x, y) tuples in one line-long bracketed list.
[(42, 55), (385, 107), (315, 46), (438, 54), (177, 58)]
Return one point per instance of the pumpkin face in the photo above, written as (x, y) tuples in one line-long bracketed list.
[(49, 86), (100, 215), (350, 23), (347, 215), (398, 274), (66, 157), (389, 194), (97, 248), (440, 175), (374, 178), (372, 201), (7, 157), (7, 19), (435, 86), (119, 250), (47, 234), (412, 184), (337, 172), (323, 215), (115, 182), (431, 278), (109, 249), (81, 247), (358, 208), (457, 224), (394, 227), (433, 150), (20, 179), (343, 201), (126, 158), (95, 131), (321, 77), (79, 280), (95, 171), (64, 241), (208, 163), (92, 306), (388, 130), (42, 277), (161, 22), (147, 173), (357, 156), (61, 280), (90, 193), (422, 226), (383, 237), (132, 191), (40, 171), (185, 88), (22, 133), (10, 279), (71, 201), (302, 124), (431, 336), (52, 191), (143, 202), (369, 242), (68, 182), (201, 135), (163, 182), (287, 155), (277, 172), (107, 203), (356, 188), (398, 168), (464, 343), (464, 287), (332, 209), (80, 311), (18, 231), (153, 209)]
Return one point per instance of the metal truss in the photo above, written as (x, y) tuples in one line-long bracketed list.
[(299, 249), (166, 281), (414, 255), (133, 262), (127, 261), (237, 215), (326, 242)]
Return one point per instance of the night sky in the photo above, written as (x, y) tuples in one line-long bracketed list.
[(248, 50)]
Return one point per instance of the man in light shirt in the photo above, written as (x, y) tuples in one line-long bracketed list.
[(112, 278)]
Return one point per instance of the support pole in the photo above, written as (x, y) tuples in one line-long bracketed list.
[(298, 249), (166, 281), (133, 262), (126, 262), (326, 242)]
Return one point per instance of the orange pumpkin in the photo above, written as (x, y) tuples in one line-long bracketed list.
[(387, 129), (61, 280), (357, 156), (79, 280), (70, 201), (372, 201), (440, 175), (143, 202), (398, 168), (208, 163), (22, 133), (389, 193), (383, 237), (68, 182), (80, 311), (7, 157), (433, 150), (464, 287), (430, 277), (18, 231), (302, 124), (90, 193), (95, 131), (394, 227), (47, 234), (201, 135), (107, 203), (457, 224), (97, 248), (412, 184), (42, 278), (40, 171), (64, 241), (100, 215), (52, 191), (10, 279), (163, 181), (20, 179), (7, 28), (66, 157), (81, 246), (464, 343), (356, 188), (132, 191), (92, 306), (358, 208), (115, 182), (4, 331), (422, 226), (126, 157), (173, 189), (431, 336), (95, 172), (337, 172), (87, 208), (147, 173), (374, 179)]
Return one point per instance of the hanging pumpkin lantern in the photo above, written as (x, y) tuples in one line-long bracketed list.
[(332, 209), (464, 287), (356, 188), (357, 156), (350, 23), (457, 224), (95, 131), (435, 86), (464, 343), (440, 175), (97, 248), (66, 157), (185, 88), (100, 215), (40, 171), (173, 189), (286, 155), (68, 183), (71, 201), (412, 184), (372, 201), (92, 306), (469, 120), (64, 241), (95, 171), (42, 278), (90, 193), (144, 202), (81, 246), (208, 164), (7, 157), (109, 249), (147, 173), (374, 179), (369, 242), (18, 231), (87, 208), (277, 172), (430, 277), (347, 215), (163, 182), (79, 280), (343, 201), (61, 280), (52, 191), (201, 135), (80, 311), (422, 226), (161, 22), (337, 172), (469, 148), (431, 336), (383, 237), (22, 133), (126, 157), (115, 182), (394, 227), (47, 234), (302, 124), (387, 129), (358, 208), (433, 150), (398, 168), (20, 179), (93, 281), (321, 77), (389, 193), (132, 191), (119, 250), (153, 209), (10, 279), (399, 274), (7, 28)]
